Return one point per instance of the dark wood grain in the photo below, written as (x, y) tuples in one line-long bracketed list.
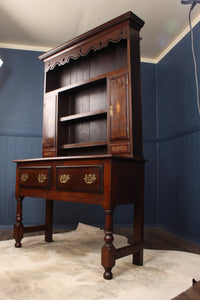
[(83, 115), (35, 177), (80, 178), (106, 76), (19, 227), (83, 145), (49, 220), (108, 253), (118, 96), (49, 121)]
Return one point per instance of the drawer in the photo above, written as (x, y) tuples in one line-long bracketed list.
[(48, 152), (88, 179), (35, 177), (119, 148)]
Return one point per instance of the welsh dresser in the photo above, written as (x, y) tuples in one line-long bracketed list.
[(92, 133)]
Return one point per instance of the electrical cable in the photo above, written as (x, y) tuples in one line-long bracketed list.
[(194, 57)]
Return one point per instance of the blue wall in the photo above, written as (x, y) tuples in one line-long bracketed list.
[(179, 141), (21, 105), (148, 81)]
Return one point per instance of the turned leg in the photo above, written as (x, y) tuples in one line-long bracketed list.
[(19, 227), (49, 220), (108, 250), (138, 232)]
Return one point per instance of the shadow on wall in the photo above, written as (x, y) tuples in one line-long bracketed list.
[(5, 73)]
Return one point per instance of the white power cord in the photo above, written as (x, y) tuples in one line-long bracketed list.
[(194, 59), (193, 3)]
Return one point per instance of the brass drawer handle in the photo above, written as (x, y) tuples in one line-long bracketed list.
[(42, 177), (24, 177), (64, 178), (89, 178)]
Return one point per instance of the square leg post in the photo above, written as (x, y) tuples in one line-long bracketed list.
[(138, 231), (49, 221)]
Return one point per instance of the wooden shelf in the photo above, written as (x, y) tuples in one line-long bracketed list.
[(82, 83), (92, 100), (83, 115), (83, 145)]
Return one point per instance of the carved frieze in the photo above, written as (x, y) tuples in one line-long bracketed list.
[(83, 48)]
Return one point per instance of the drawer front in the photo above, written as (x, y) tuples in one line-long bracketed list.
[(35, 177), (119, 148), (88, 179), (50, 153)]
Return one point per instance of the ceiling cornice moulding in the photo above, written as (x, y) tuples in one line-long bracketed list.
[(24, 47)]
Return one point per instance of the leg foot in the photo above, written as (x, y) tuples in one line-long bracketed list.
[(138, 258), (18, 245), (108, 274)]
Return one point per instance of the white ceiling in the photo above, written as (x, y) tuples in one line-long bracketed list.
[(44, 24)]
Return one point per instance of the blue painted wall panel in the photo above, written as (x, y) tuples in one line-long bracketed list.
[(148, 82), (179, 141), (150, 212), (179, 188), (21, 88), (178, 113), (15, 148)]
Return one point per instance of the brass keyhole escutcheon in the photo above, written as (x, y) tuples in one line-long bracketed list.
[(24, 177), (64, 178), (42, 177), (89, 178), (111, 110)]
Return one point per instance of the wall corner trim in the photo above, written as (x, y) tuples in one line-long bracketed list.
[(178, 39)]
